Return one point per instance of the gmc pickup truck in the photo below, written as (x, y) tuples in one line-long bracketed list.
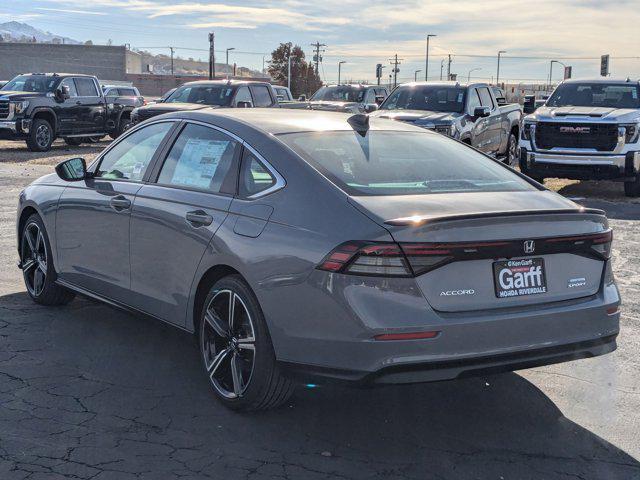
[(467, 112), (40, 107), (586, 130), (351, 98)]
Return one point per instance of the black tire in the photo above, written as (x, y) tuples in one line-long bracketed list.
[(93, 139), (123, 126), (36, 262), (260, 384), (41, 136), (632, 188), (511, 155), (74, 141), (532, 176)]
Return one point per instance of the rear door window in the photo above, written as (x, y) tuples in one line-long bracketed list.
[(200, 158), (68, 82), (86, 87), (261, 95), (243, 95)]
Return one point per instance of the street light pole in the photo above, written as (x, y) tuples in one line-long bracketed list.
[(415, 75), (498, 72), (469, 73), (339, 67), (441, 67), (551, 70), (230, 48), (426, 62)]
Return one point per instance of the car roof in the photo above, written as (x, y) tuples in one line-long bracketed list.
[(274, 121), (230, 83), (444, 83), (61, 75), (615, 81)]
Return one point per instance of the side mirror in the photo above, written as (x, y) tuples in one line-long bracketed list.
[(62, 93), (379, 99), (482, 112), (244, 105), (370, 107), (302, 98), (72, 170), (529, 104)]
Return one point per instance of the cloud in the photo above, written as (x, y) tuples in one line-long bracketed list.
[(65, 10)]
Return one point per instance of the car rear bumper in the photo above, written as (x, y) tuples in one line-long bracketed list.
[(342, 345), (582, 166)]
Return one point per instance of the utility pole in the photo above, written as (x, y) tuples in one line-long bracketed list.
[(316, 57), (212, 56), (395, 61), (441, 67), (498, 72), (426, 62), (449, 68), (171, 48)]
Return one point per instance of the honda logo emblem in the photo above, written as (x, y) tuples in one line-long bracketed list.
[(529, 246)]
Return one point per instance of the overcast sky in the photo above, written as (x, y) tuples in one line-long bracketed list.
[(364, 33)]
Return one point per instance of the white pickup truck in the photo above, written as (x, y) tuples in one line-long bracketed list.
[(586, 130)]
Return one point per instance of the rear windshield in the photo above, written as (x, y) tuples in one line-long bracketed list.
[(595, 95), (401, 163), (429, 97), (203, 94)]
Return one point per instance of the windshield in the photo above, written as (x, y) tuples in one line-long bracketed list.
[(432, 98), (31, 83), (339, 93), (595, 95), (202, 94), (401, 163)]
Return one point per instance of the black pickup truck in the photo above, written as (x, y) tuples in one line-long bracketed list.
[(40, 107)]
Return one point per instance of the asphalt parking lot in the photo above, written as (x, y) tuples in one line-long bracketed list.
[(90, 392)]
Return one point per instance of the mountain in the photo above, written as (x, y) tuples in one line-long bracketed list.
[(22, 32)]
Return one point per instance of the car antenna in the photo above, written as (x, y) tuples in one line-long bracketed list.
[(359, 122)]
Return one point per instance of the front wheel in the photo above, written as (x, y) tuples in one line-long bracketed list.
[(41, 136), (236, 349), (37, 265), (511, 157), (632, 188)]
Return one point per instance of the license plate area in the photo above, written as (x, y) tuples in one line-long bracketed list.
[(519, 278)]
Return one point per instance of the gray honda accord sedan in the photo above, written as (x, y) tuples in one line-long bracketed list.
[(300, 246)]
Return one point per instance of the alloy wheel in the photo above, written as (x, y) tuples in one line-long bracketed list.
[(512, 154), (228, 343), (34, 259), (43, 136)]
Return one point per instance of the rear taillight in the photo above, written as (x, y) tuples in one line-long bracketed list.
[(391, 259)]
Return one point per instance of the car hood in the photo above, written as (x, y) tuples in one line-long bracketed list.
[(333, 106), (404, 209), (419, 116), (16, 95), (609, 114)]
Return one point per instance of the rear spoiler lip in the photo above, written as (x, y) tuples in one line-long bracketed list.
[(421, 220)]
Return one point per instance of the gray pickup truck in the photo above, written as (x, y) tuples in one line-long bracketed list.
[(467, 112), (586, 130)]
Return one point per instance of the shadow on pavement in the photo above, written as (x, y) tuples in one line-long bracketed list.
[(87, 390)]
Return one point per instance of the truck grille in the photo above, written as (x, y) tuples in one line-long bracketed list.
[(601, 137), (4, 108)]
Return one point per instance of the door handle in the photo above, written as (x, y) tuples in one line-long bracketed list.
[(120, 202), (199, 218)]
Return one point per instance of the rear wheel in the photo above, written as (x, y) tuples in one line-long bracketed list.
[(632, 188), (41, 136), (37, 265), (236, 349)]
